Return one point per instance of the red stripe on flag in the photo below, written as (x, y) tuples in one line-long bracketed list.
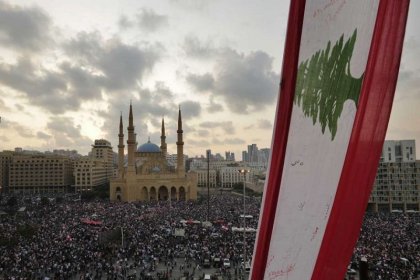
[(366, 142), (280, 135)]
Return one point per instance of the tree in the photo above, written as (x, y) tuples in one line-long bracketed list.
[(324, 83)]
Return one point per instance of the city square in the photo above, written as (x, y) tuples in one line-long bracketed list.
[(161, 240), (209, 140)]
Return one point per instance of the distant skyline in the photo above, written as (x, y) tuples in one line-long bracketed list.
[(68, 68)]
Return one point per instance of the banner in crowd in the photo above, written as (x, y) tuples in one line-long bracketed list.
[(340, 69), (91, 222), (179, 232)]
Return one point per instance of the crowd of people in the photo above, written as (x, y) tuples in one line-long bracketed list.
[(73, 239), (390, 243)]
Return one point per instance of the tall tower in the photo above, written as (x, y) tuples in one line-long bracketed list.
[(163, 147), (131, 142), (180, 147), (121, 150)]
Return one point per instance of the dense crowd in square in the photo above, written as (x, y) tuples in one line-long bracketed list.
[(114, 240)]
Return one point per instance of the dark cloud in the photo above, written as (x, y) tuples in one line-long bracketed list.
[(43, 135), (247, 83), (198, 143), (227, 126), (190, 109), (19, 107), (81, 82), (24, 132), (20, 129), (404, 75), (228, 141), (251, 126), (24, 28), (47, 89), (234, 141), (150, 21), (149, 105), (193, 47), (161, 94), (210, 124), (214, 107), (63, 125), (203, 133), (264, 124), (120, 66), (125, 65), (408, 86), (201, 83), (124, 22), (96, 66), (66, 134), (85, 47)]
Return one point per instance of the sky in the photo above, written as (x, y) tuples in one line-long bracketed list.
[(68, 69)]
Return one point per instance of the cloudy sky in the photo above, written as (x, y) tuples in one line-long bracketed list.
[(68, 68)]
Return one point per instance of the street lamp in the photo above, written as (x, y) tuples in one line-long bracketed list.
[(208, 184), (244, 171)]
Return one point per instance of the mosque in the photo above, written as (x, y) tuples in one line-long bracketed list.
[(148, 176)]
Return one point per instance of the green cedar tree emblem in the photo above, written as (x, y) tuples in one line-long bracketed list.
[(324, 83)]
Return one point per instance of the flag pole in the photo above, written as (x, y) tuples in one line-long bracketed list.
[(122, 237)]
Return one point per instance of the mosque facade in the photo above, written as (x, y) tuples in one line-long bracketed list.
[(148, 176)]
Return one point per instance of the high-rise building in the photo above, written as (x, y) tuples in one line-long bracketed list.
[(102, 150), (252, 153), (397, 183), (245, 157), (230, 156), (265, 155), (96, 169)]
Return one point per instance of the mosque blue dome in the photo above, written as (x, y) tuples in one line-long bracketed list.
[(148, 147)]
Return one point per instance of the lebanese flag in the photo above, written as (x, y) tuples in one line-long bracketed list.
[(339, 74)]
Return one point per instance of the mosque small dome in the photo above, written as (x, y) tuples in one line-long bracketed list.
[(156, 169), (148, 147)]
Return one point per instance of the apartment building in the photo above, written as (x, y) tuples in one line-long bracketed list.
[(5, 160), (96, 169), (102, 150), (232, 175), (397, 182), (38, 173), (89, 173), (202, 177)]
